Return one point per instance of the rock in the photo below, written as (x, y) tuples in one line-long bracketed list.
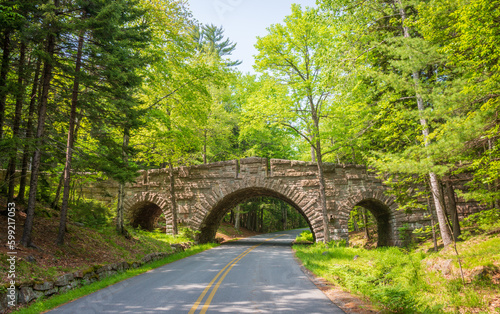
[(447, 267), (43, 286), (51, 291), (105, 274), (3, 302), (31, 259), (176, 246), (104, 268), (64, 289), (122, 266), (26, 294), (64, 280), (146, 259), (78, 274), (479, 273)]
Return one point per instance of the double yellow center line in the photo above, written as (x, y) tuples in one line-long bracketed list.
[(222, 274)]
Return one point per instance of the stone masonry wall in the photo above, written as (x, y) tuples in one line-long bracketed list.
[(204, 193)]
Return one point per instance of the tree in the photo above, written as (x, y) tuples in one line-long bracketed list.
[(291, 55), (401, 70), (51, 23), (210, 39)]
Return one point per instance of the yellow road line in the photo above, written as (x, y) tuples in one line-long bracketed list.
[(198, 301), (227, 268)]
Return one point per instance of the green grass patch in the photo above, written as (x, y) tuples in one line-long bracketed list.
[(49, 303), (388, 276), (400, 281)]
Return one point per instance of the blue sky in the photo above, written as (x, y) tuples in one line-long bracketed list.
[(243, 20)]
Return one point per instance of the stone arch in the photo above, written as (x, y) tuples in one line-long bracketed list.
[(383, 208), (144, 209), (220, 201)]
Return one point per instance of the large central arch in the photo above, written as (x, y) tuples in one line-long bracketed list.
[(210, 223)]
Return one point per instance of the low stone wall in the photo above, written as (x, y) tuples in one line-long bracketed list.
[(24, 293)]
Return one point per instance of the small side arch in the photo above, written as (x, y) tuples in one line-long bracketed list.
[(383, 208), (144, 209)]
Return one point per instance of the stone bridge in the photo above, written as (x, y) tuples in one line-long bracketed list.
[(205, 193)]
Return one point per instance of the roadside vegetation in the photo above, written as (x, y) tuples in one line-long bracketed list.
[(416, 279), (96, 90), (45, 304), (92, 240)]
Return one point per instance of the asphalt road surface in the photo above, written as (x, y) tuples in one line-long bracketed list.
[(254, 275)]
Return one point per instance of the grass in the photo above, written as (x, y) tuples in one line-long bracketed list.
[(401, 281), (46, 304)]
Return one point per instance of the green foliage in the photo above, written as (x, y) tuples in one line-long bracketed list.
[(305, 237), (480, 222), (387, 276), (189, 233), (90, 213), (267, 215)]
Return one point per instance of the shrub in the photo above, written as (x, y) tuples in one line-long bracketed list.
[(90, 213), (305, 236)]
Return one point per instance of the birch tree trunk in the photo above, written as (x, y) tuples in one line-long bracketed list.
[(237, 219), (434, 182)]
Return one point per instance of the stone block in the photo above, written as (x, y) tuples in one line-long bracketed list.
[(64, 280), (78, 274), (104, 268), (47, 285), (51, 291), (26, 294)]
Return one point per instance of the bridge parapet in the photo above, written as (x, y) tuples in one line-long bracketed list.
[(204, 193)]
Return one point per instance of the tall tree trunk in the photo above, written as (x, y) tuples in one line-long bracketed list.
[(322, 191), (237, 219), (365, 222), (61, 177), (47, 77), (283, 211), (58, 191), (69, 143), (433, 223), (17, 122), (261, 229), (29, 132), (205, 147), (3, 77), (452, 209), (434, 182), (355, 222), (172, 197), (120, 220)]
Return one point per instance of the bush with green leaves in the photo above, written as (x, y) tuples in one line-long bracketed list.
[(304, 237), (90, 213), (483, 221)]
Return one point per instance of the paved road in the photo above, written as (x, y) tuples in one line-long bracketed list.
[(253, 275)]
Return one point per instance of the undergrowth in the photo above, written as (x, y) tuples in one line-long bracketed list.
[(401, 281)]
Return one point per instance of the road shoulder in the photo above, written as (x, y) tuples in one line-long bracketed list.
[(344, 300)]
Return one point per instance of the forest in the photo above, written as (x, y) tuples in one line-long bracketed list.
[(409, 88)]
